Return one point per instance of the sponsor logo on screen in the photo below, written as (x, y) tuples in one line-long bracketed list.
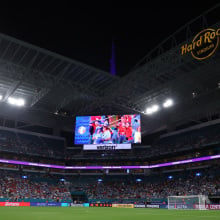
[(213, 207), (45, 204), (203, 45), (100, 205), (123, 205), (14, 203), (139, 206), (76, 205), (106, 147), (208, 206), (153, 206), (82, 130)]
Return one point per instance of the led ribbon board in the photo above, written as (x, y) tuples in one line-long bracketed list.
[(193, 160)]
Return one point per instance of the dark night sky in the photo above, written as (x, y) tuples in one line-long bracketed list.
[(85, 34)]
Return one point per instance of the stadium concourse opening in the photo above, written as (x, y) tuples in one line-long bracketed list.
[(72, 135)]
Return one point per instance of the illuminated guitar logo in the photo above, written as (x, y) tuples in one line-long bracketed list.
[(204, 44)]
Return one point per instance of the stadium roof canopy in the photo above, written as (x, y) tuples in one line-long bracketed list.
[(55, 84)]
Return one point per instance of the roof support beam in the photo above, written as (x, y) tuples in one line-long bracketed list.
[(15, 85)]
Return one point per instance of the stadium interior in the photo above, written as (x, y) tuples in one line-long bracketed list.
[(42, 92)]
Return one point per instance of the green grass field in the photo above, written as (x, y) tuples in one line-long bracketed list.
[(76, 213)]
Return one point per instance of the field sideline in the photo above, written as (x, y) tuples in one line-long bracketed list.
[(78, 213)]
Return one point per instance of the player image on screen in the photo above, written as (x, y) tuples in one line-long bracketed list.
[(108, 129)]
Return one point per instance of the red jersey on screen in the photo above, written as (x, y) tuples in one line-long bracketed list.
[(122, 130), (128, 118), (128, 133)]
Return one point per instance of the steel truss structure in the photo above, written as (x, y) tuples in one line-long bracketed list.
[(54, 85)]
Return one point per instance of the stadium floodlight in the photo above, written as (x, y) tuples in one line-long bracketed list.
[(168, 103), (1, 97), (149, 111), (11, 101), (152, 109), (14, 101), (20, 102), (155, 108)]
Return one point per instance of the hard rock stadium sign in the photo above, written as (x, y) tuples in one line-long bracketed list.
[(203, 45)]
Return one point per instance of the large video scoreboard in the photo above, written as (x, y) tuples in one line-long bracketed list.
[(107, 131)]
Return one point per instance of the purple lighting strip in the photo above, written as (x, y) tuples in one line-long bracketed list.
[(193, 160)]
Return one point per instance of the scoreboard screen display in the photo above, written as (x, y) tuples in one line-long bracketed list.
[(108, 129)]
